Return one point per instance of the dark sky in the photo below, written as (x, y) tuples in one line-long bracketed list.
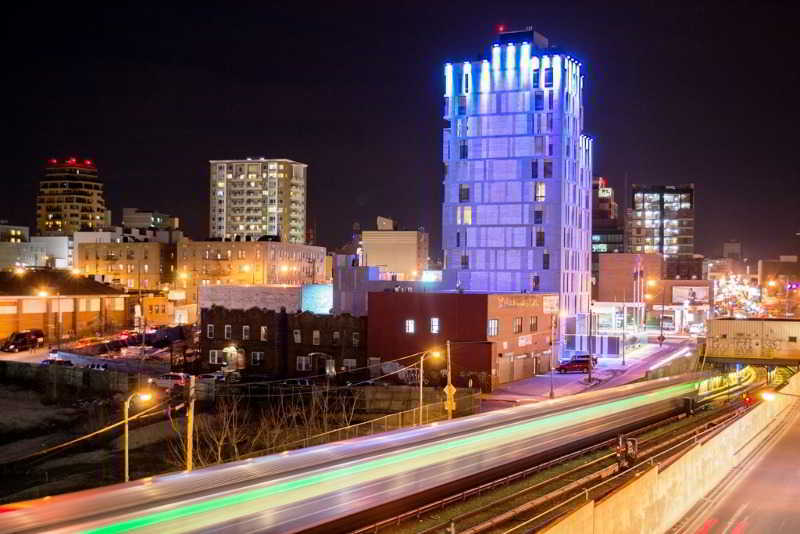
[(703, 94)]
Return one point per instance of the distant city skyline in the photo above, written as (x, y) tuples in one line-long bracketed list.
[(160, 97)]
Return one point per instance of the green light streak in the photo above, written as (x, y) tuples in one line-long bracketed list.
[(465, 443)]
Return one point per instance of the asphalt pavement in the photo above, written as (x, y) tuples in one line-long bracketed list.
[(27, 356), (765, 497)]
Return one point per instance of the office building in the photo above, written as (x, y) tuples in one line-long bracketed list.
[(662, 220), (139, 218), (70, 198), (732, 249), (608, 234), (258, 198), (518, 170)]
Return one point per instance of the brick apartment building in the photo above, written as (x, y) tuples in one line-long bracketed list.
[(495, 338), (279, 344)]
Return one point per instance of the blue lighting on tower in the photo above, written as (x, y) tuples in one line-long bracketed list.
[(448, 79)]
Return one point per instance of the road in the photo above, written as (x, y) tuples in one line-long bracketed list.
[(609, 371), (765, 495)]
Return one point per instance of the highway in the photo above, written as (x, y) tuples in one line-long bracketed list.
[(332, 487), (762, 496)]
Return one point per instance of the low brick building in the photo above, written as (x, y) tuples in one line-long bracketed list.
[(495, 338), (279, 344)]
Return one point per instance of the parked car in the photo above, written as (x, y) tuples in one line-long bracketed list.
[(584, 356), (170, 380), (49, 362), (211, 377), (24, 340), (573, 366)]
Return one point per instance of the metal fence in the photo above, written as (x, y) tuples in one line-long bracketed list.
[(465, 405)]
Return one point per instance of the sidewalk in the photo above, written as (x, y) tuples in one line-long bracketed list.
[(608, 372)]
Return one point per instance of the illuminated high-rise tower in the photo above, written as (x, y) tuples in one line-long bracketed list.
[(518, 172), (258, 197)]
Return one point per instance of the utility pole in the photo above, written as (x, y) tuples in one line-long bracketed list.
[(552, 351), (450, 388), (190, 425)]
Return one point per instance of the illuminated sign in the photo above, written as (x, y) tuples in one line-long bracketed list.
[(550, 304), (431, 276), (517, 301), (690, 294), (604, 192)]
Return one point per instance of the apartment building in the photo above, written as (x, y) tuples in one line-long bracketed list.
[(206, 263), (518, 172), (70, 197), (132, 265), (257, 197)]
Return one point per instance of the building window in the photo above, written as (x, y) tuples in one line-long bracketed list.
[(256, 358), (458, 239), (466, 215), (356, 339), (538, 101), (550, 99), (535, 168), (516, 325), (298, 338), (245, 332), (535, 282), (493, 327), (210, 331), (315, 337), (548, 77), (216, 357), (538, 216), (535, 78), (462, 105), (533, 324), (464, 261), (304, 363), (434, 325), (463, 193), (545, 261), (336, 337), (549, 122), (541, 191), (539, 238), (349, 363), (792, 339), (228, 331), (548, 169), (409, 328), (263, 333), (463, 150)]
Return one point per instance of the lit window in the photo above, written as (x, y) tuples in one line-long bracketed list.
[(349, 363), (541, 191), (467, 217), (298, 338), (304, 363), (409, 326), (246, 332), (493, 327), (228, 331), (533, 324), (356, 338), (263, 333), (434, 325), (315, 337)]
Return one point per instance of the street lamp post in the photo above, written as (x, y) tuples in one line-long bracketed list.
[(552, 352), (125, 409)]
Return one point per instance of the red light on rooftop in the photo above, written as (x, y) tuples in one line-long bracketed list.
[(53, 161), (88, 162), (501, 28)]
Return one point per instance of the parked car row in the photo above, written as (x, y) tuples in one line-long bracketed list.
[(578, 362)]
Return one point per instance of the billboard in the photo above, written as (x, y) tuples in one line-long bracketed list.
[(692, 294)]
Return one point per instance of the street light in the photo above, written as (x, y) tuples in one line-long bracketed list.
[(142, 397), (435, 354)]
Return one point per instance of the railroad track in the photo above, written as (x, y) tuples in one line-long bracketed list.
[(514, 499)]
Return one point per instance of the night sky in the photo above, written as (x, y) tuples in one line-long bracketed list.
[(703, 94)]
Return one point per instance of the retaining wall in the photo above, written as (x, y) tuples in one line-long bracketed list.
[(658, 498)]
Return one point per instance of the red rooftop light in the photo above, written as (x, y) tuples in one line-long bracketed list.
[(88, 162), (501, 28), (53, 161)]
